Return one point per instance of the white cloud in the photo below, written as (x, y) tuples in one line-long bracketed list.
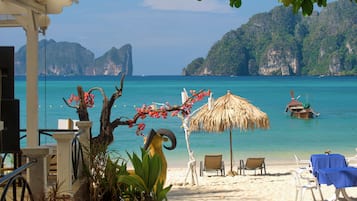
[(214, 6)]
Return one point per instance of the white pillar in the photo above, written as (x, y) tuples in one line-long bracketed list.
[(64, 161), (84, 139), (37, 174), (32, 87)]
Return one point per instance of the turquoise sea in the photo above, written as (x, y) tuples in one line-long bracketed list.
[(335, 98)]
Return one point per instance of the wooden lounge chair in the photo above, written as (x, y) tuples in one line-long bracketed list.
[(252, 164), (212, 163)]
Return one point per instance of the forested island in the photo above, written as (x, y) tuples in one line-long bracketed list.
[(72, 59), (280, 42)]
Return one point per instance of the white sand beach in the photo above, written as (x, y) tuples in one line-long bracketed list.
[(277, 185)]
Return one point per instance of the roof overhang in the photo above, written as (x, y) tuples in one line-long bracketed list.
[(33, 13)]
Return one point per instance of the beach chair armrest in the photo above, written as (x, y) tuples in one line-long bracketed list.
[(241, 167), (223, 171)]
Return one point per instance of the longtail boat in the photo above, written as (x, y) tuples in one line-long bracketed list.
[(299, 109)]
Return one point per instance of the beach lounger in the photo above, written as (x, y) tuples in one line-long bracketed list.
[(252, 164), (212, 163)]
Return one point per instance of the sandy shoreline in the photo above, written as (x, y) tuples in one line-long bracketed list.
[(277, 185)]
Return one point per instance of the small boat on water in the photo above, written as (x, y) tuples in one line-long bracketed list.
[(299, 109)]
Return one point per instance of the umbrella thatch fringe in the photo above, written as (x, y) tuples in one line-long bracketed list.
[(229, 112)]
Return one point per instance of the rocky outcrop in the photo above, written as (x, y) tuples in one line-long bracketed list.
[(279, 62), (113, 62), (69, 59)]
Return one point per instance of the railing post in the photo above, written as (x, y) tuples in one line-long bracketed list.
[(81, 186), (37, 174), (64, 161), (84, 139)]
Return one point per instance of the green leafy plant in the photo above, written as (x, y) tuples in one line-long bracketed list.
[(103, 175), (54, 193), (143, 183)]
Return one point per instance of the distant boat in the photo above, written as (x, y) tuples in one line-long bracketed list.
[(300, 110)]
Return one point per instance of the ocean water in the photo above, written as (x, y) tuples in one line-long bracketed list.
[(335, 98)]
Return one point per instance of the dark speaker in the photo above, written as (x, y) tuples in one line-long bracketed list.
[(7, 63), (10, 136)]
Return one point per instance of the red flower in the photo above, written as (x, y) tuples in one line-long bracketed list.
[(141, 126)]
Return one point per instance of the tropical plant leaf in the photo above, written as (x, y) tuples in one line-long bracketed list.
[(235, 3), (161, 192), (286, 2), (307, 7), (135, 181), (137, 164), (146, 167), (322, 3), (155, 170)]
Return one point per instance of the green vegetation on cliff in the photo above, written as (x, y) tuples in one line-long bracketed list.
[(281, 42)]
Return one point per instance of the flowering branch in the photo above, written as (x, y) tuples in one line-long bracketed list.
[(88, 99), (161, 110)]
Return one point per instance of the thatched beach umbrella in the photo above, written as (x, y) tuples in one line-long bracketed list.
[(226, 113)]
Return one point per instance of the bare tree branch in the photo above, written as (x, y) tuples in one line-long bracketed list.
[(69, 105)]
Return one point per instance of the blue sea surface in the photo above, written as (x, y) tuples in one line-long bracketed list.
[(335, 98)]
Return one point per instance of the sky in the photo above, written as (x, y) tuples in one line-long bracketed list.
[(166, 35)]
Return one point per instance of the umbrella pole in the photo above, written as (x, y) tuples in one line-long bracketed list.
[(191, 165), (230, 141), (231, 172)]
